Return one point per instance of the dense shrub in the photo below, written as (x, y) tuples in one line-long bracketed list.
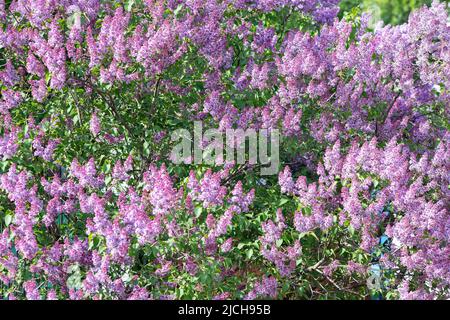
[(92, 207)]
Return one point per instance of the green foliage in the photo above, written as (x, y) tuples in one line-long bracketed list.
[(392, 12)]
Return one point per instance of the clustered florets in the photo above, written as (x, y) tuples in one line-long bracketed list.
[(133, 227)]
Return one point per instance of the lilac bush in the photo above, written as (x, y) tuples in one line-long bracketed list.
[(92, 207)]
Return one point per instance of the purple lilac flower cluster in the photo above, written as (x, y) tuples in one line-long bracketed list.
[(89, 209)]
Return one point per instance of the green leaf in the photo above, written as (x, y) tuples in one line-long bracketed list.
[(129, 5), (74, 281), (178, 9), (126, 277), (279, 242), (8, 219), (198, 211), (283, 201), (249, 253)]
